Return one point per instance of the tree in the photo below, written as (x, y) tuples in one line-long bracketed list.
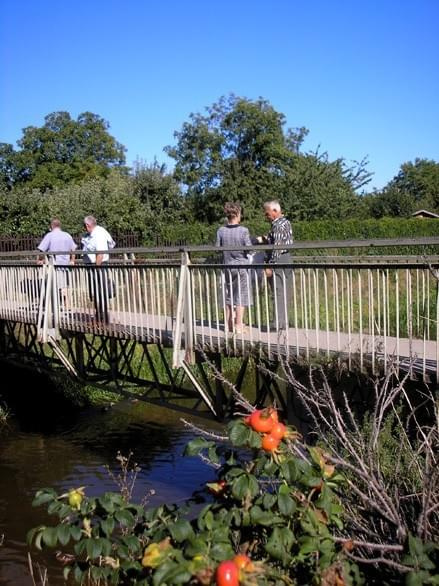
[(240, 151), (158, 191), (62, 151), (415, 186)]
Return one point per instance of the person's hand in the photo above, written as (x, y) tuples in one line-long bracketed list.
[(269, 273)]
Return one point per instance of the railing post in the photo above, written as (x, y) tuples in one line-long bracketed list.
[(183, 317), (187, 313), (48, 307)]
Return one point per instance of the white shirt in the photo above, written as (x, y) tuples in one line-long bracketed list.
[(97, 240)]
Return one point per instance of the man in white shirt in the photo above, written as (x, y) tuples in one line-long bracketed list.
[(95, 245)]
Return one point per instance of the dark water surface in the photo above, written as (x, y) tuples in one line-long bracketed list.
[(65, 451)]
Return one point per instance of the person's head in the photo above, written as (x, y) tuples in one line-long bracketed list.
[(272, 210), (89, 223), (232, 211), (55, 223)]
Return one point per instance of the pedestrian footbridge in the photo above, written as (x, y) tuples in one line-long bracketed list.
[(372, 305)]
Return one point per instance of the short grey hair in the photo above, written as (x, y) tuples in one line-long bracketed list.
[(90, 221), (273, 204)]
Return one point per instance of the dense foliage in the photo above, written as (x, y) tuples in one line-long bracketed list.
[(415, 187), (277, 512), (62, 151), (239, 150), (272, 502)]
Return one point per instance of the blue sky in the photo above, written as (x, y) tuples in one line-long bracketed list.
[(362, 76)]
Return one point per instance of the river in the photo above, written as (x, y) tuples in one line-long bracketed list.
[(65, 448)]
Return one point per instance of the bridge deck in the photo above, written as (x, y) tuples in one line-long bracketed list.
[(420, 355)]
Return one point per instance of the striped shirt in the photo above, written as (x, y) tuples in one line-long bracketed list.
[(280, 233)]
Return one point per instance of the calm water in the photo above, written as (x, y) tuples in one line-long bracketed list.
[(72, 450)]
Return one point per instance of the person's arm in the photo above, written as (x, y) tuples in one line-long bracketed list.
[(247, 239), (72, 249), (269, 253), (101, 244), (43, 246)]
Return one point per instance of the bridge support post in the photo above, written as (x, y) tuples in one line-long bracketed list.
[(79, 355), (2, 337), (113, 358), (220, 396)]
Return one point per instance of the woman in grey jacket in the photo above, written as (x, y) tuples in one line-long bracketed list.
[(237, 281)]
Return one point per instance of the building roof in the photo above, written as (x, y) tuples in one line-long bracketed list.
[(425, 214)]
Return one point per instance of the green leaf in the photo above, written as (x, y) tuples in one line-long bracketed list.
[(212, 455), (78, 574), (107, 526), (63, 534), (312, 480), (255, 439), (261, 517), (107, 503), (93, 548), (75, 532), (286, 504), (196, 546), (221, 551), (44, 496), (49, 536), (417, 578), (131, 541), (171, 573), (209, 520), (66, 572), (181, 530), (125, 518), (245, 486), (289, 470), (80, 547), (268, 500), (195, 446), (239, 433), (32, 532), (201, 517), (308, 545), (106, 545), (97, 573), (280, 543), (38, 540)]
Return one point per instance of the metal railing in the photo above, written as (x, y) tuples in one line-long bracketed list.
[(366, 308)]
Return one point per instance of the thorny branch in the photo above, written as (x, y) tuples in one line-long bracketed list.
[(384, 502)]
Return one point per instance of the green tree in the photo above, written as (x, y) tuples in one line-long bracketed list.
[(415, 186), (110, 199), (62, 151), (159, 192), (240, 151)]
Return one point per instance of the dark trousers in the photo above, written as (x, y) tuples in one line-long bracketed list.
[(280, 284), (98, 286)]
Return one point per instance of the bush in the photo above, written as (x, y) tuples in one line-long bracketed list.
[(278, 506), (280, 511)]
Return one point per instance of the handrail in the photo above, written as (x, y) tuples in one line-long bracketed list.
[(297, 245), (378, 306)]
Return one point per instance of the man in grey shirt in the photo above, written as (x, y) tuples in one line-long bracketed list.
[(59, 241)]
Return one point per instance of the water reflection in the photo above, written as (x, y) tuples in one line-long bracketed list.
[(74, 453)]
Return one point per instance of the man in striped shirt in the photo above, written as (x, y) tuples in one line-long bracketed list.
[(279, 279)]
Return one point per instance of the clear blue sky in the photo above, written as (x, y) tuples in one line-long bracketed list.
[(361, 75)]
